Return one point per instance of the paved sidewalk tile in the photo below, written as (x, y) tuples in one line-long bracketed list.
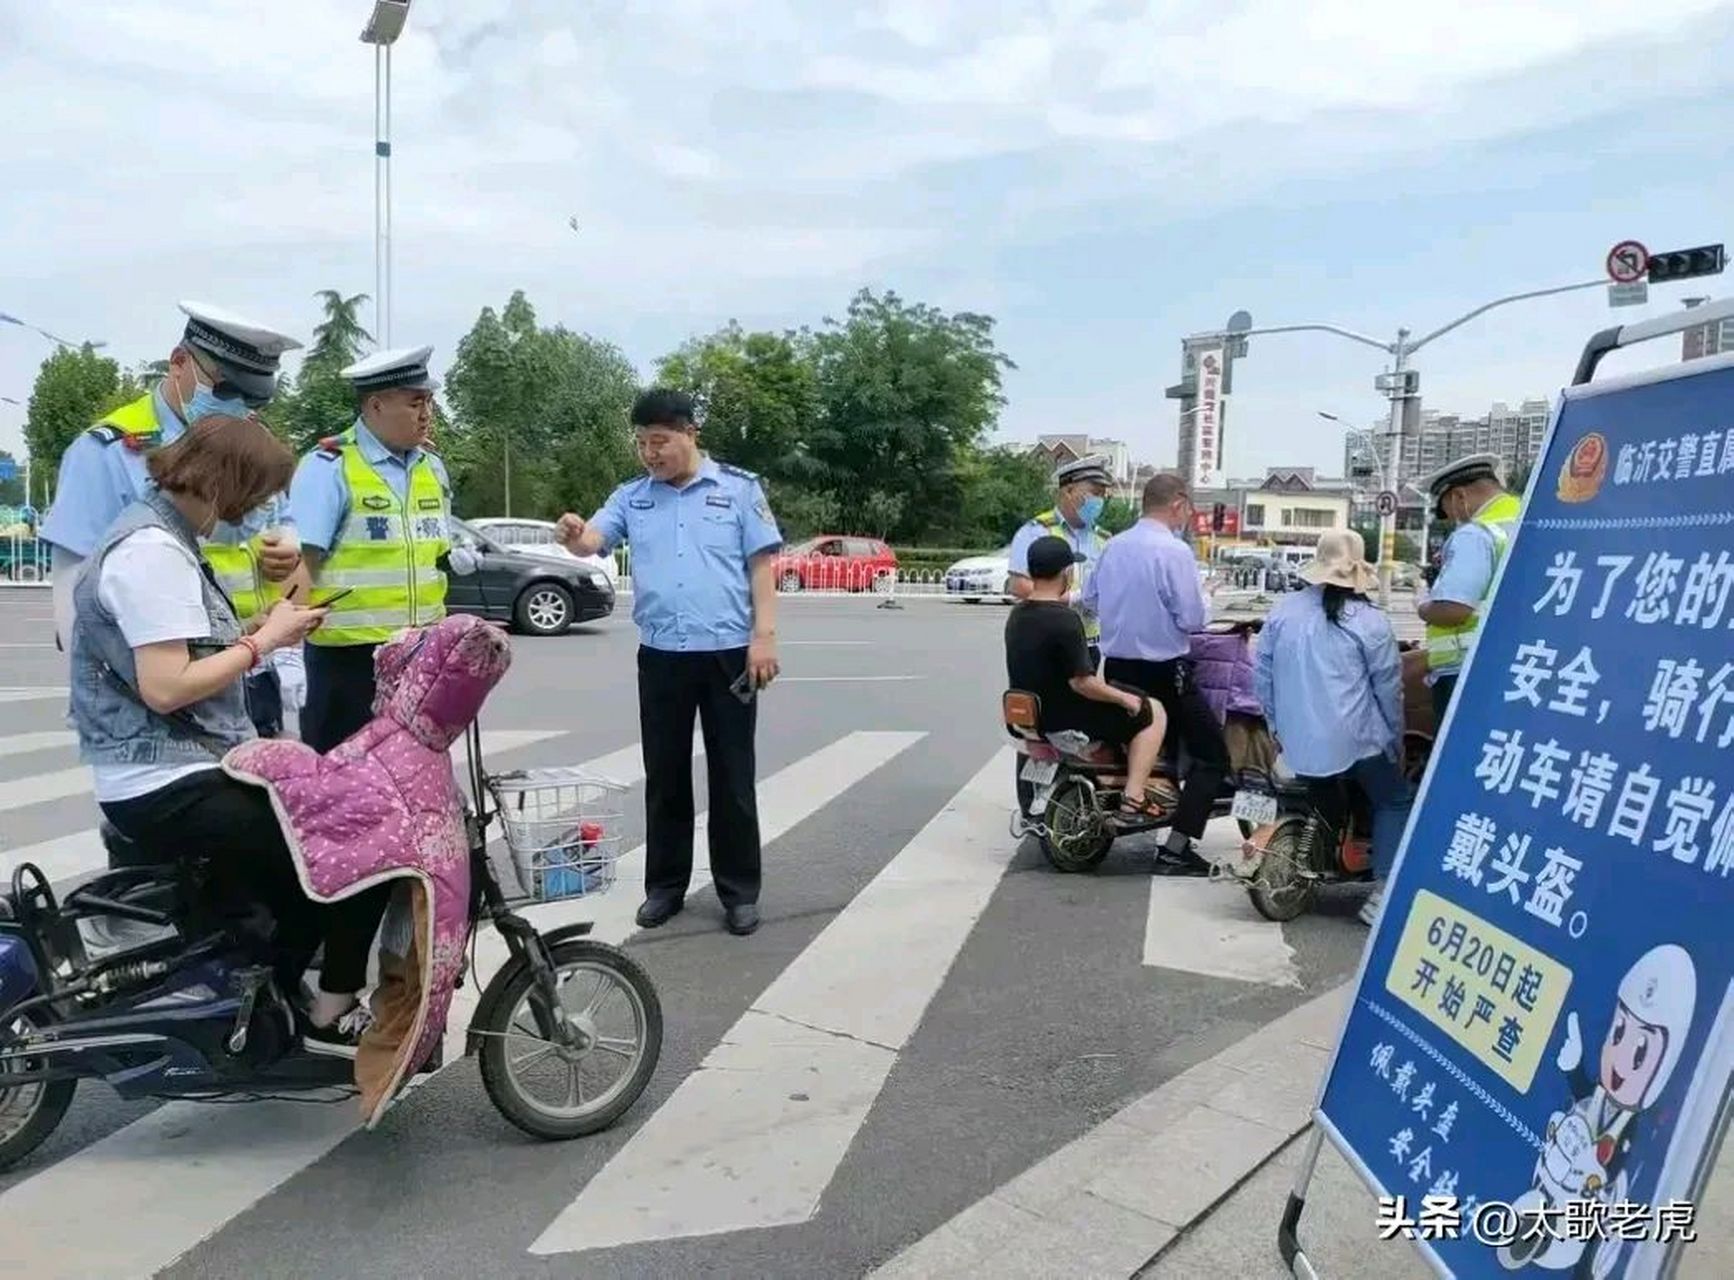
[(1106, 1203)]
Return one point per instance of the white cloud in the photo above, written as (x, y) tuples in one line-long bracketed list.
[(719, 159)]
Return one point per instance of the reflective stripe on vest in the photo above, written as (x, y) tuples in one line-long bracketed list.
[(1448, 647), (386, 555), (236, 567), (1055, 523)]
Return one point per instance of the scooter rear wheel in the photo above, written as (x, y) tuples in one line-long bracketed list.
[(1076, 837), (1278, 890), (29, 1113), (591, 977)]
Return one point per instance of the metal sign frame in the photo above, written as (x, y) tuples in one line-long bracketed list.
[(1595, 350)]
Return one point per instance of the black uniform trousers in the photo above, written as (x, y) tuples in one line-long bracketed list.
[(339, 703), (672, 688), (339, 692), (1191, 720)]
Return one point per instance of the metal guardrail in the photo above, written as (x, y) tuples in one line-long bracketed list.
[(25, 561)]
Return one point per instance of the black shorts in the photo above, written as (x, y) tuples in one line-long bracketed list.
[(1102, 721)]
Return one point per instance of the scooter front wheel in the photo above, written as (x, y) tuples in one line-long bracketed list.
[(556, 1090), (29, 1111)]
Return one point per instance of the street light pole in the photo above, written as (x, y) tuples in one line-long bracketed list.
[(1395, 386), (382, 31)]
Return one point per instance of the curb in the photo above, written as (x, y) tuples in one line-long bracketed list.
[(1112, 1202)]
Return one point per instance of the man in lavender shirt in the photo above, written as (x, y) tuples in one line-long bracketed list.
[(1146, 592)]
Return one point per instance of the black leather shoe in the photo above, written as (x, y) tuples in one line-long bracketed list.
[(741, 920), (658, 911)]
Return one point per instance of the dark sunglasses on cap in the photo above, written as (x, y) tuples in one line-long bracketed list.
[(224, 389)]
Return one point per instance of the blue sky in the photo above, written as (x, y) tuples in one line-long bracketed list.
[(1101, 177)]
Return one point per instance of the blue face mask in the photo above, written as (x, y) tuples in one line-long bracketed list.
[(1090, 510)]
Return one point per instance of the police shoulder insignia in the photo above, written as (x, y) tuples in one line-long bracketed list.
[(764, 510), (739, 473), (105, 433)]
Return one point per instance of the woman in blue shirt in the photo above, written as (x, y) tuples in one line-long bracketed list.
[(1330, 677)]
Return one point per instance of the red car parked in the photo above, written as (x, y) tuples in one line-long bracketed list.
[(834, 563)]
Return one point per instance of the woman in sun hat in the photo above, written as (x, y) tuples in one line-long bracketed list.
[(1330, 677)]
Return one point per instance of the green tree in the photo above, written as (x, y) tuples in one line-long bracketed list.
[(539, 416), (1117, 516), (903, 390), (73, 389), (757, 394), (999, 489), (321, 402), (1519, 480)]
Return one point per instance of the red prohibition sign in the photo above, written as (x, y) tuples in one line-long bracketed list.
[(1628, 261)]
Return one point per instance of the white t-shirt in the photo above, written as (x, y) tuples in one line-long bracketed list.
[(153, 587)]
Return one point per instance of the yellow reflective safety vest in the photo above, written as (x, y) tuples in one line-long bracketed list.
[(235, 566), (1448, 647), (1088, 543), (387, 551)]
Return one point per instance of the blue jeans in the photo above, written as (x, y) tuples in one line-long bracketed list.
[(1389, 796)]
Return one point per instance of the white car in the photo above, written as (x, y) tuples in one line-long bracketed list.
[(537, 538), (978, 578)]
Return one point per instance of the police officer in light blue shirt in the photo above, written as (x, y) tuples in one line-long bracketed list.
[(224, 364), (703, 544), (394, 391)]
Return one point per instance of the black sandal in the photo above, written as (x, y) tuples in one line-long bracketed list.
[(1151, 805)]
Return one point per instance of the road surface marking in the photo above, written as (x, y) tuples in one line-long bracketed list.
[(787, 798), (755, 1135), (20, 744), (40, 788), (30, 694), (844, 679), (1198, 926)]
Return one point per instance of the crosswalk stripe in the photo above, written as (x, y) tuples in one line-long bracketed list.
[(224, 1159), (787, 798), (81, 852), (755, 1135), (30, 694), (21, 744), (1198, 926)]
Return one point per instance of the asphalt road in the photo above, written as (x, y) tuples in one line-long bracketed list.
[(1023, 1007)]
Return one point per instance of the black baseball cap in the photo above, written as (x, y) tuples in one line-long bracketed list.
[(1051, 556)]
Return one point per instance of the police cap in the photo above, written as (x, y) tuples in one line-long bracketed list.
[(1093, 469), (1477, 466), (404, 369), (244, 352)]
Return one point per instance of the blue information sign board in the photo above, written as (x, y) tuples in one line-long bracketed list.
[(1537, 1056)]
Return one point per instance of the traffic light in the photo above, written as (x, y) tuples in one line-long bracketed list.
[(1216, 514), (1684, 264)]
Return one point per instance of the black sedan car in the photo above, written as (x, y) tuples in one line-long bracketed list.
[(539, 594)]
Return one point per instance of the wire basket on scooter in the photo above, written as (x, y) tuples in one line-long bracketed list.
[(563, 827)]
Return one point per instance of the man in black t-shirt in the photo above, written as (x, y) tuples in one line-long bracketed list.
[(1046, 654)]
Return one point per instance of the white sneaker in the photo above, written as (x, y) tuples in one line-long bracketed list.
[(342, 1038), (1369, 912)]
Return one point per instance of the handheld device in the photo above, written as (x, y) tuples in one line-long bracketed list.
[(329, 600), (743, 686)]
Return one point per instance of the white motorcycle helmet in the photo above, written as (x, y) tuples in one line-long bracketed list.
[(1662, 990)]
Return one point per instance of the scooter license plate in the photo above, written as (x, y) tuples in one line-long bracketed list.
[(1256, 807), (1040, 772)]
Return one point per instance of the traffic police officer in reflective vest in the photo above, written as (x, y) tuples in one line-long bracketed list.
[(372, 507), (1468, 492), (224, 364), (704, 597), (1083, 492)]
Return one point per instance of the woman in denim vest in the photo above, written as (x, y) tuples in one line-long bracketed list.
[(158, 669)]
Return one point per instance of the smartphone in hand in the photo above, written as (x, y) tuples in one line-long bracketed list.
[(743, 686)]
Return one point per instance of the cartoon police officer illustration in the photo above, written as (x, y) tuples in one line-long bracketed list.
[(1587, 1145)]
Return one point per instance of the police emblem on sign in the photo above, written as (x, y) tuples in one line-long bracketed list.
[(378, 528), (1585, 467)]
